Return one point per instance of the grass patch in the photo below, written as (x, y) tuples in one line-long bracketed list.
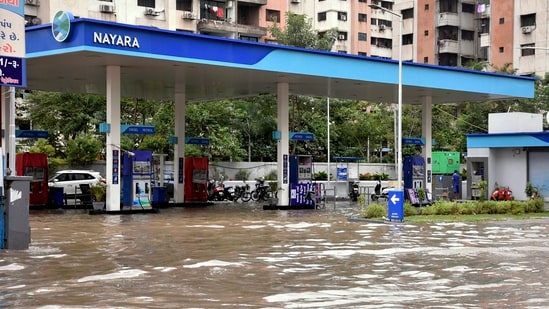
[(475, 211), (474, 218)]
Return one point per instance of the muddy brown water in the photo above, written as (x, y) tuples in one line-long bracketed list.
[(241, 256)]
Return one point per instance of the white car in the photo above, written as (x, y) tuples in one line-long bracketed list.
[(70, 180)]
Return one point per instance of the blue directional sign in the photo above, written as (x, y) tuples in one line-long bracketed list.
[(395, 205), (197, 140), (413, 141), (31, 133), (301, 136), (137, 129)]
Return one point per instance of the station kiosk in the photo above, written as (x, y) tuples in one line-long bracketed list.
[(34, 165)]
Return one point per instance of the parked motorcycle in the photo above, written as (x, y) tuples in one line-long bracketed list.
[(243, 192), (380, 192), (502, 194), (216, 190), (262, 191), (354, 192)]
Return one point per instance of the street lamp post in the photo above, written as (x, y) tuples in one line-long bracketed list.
[(399, 117)]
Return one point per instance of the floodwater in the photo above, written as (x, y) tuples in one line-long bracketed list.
[(241, 256)]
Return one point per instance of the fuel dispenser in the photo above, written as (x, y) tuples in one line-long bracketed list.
[(34, 165), (413, 173), (137, 178), (302, 190)]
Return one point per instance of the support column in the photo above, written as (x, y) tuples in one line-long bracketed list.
[(427, 133), (283, 156), (179, 147), (8, 125), (114, 150)]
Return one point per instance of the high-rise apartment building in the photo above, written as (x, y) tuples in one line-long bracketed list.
[(496, 33)]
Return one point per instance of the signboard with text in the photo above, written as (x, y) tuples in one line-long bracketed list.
[(12, 44)]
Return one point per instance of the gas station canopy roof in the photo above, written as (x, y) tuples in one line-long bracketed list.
[(154, 61)]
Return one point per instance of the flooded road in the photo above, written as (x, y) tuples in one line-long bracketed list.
[(241, 256)]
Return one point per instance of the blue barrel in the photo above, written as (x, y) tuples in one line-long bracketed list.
[(158, 195), (56, 196)]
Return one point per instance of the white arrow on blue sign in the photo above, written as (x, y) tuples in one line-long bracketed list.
[(395, 207)]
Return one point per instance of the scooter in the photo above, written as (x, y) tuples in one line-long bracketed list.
[(354, 192), (216, 190), (380, 192)]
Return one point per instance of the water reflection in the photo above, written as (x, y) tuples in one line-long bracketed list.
[(240, 256)]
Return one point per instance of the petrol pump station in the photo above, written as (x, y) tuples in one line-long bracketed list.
[(137, 178)]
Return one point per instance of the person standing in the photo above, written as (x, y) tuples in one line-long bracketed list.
[(456, 181)]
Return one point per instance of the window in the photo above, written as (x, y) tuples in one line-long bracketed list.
[(425, 59), (249, 38), (527, 50), (273, 15), (427, 7), (362, 17), (342, 36), (467, 35), (362, 54), (528, 20), (408, 13), (321, 16), (362, 36), (426, 33), (468, 8), (373, 21), (342, 51), (146, 3), (342, 16), (502, 21), (364, 1), (501, 49), (184, 5), (408, 39)]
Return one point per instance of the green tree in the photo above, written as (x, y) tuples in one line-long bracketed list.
[(83, 149), (299, 32)]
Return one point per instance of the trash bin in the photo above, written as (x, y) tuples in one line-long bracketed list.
[(56, 197), (158, 195)]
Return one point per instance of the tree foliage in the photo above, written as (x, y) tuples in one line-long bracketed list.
[(299, 32)]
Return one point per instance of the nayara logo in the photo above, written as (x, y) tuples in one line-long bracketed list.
[(61, 25)]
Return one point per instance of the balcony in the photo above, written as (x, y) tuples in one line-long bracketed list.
[(256, 2), (448, 19), (225, 27), (448, 46)]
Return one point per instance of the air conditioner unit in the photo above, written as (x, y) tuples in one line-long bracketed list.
[(151, 12), (341, 37), (526, 29), (382, 27), (105, 8), (189, 15), (343, 17), (33, 2)]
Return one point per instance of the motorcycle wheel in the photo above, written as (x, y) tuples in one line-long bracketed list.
[(254, 195), (246, 196), (374, 197)]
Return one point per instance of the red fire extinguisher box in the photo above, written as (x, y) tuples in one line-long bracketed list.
[(36, 166)]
